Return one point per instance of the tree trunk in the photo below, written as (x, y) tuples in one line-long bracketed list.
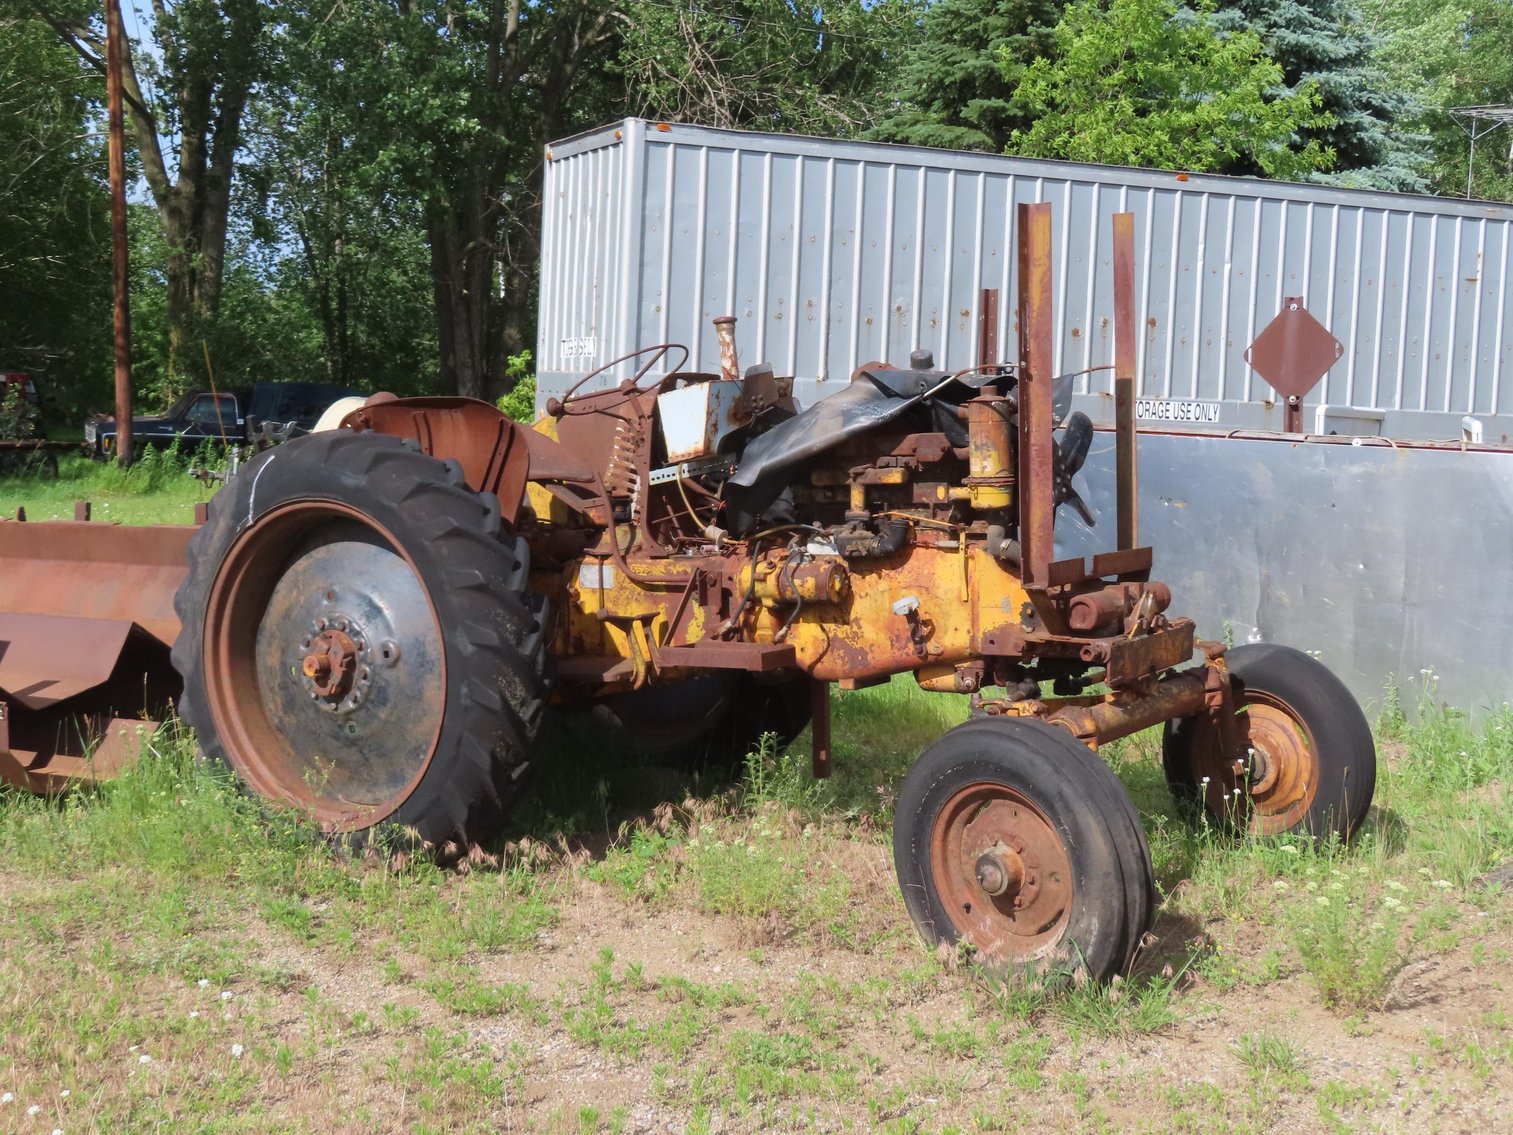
[(461, 309), (484, 228)]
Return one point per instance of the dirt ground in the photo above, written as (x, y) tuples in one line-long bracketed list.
[(1437, 1057)]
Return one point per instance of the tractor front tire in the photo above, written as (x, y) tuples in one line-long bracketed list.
[(1309, 760), (1015, 841)]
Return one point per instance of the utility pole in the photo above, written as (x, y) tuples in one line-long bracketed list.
[(114, 50)]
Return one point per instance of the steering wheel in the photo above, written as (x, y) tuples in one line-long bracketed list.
[(557, 407)]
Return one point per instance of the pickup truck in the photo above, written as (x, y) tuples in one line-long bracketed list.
[(231, 418)]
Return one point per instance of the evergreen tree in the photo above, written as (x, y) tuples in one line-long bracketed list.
[(958, 85), (1326, 43)]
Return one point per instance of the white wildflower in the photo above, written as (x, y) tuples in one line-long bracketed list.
[(1394, 885), (204, 982), (1442, 884), (8, 1097), (33, 1110), (237, 1050), (225, 995), (144, 1059)]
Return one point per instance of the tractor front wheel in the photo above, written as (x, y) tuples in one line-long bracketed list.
[(1305, 761), (1014, 840)]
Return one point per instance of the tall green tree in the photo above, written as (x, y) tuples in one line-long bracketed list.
[(333, 232), (443, 109), (54, 217), (1326, 45), (802, 67), (1445, 54), (1142, 83), (264, 329), (956, 89)]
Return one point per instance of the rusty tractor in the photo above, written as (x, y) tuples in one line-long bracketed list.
[(367, 623)]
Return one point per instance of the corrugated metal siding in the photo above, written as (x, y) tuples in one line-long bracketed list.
[(835, 253)]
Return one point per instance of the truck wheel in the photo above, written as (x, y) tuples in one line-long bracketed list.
[(360, 641), (1311, 760), (1015, 840)]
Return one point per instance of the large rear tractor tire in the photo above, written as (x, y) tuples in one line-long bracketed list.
[(360, 642), (1013, 839), (1307, 763)]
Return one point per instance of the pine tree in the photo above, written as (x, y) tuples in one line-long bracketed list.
[(1327, 43), (957, 91)]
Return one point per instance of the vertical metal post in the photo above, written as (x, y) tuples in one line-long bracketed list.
[(987, 328), (1292, 415), (819, 723), (1127, 476), (1036, 417), (114, 53)]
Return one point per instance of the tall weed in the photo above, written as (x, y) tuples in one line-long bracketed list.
[(1352, 948)]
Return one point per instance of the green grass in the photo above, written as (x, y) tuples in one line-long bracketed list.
[(157, 490), (448, 991)]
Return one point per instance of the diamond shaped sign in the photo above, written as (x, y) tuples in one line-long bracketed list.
[(1294, 351)]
